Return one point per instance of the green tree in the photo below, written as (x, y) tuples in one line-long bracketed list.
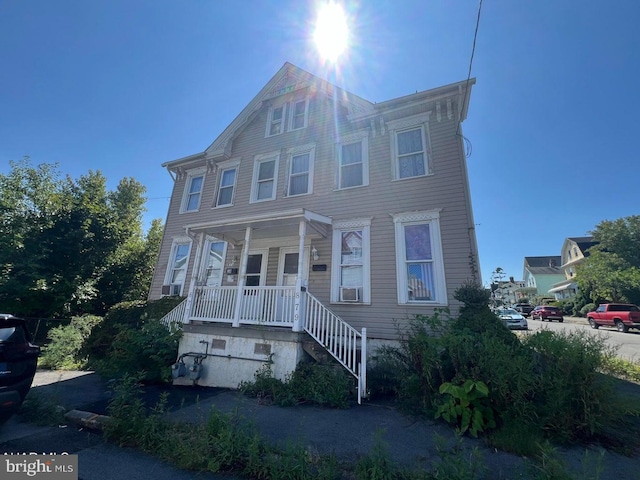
[(612, 270), (60, 239)]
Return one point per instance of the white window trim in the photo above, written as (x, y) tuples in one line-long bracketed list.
[(339, 227), (432, 217), (223, 167), (283, 122), (292, 111), (202, 276), (363, 138), (174, 248), (258, 159), (410, 123), (191, 174), (293, 152)]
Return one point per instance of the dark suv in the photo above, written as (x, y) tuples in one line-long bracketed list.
[(523, 309), (18, 361)]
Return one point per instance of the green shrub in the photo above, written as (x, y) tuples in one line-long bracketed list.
[(319, 384), (467, 407), (65, 342), (572, 399), (131, 338), (589, 307)]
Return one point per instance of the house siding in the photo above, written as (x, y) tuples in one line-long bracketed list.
[(446, 189)]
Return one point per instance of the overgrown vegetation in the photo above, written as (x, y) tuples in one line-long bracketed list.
[(319, 384), (131, 338), (62, 352), (546, 386)]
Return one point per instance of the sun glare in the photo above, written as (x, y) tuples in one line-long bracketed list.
[(332, 32)]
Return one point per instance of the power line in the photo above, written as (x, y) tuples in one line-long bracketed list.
[(473, 52)]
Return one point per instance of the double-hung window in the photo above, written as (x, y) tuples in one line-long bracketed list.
[(300, 177), (299, 114), (410, 147), (351, 262), (265, 177), (419, 261), (275, 121), (227, 177), (353, 161), (192, 191), (177, 269)]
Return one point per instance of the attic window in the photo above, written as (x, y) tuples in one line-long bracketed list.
[(299, 114), (275, 121)]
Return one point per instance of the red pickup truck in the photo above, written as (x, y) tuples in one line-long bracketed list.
[(623, 316)]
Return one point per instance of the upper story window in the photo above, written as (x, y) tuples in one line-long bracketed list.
[(351, 262), (353, 161), (192, 191), (227, 178), (300, 177), (419, 260), (410, 147), (265, 177), (275, 120), (299, 114)]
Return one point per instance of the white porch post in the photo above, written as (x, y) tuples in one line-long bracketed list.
[(244, 257), (298, 321), (194, 278)]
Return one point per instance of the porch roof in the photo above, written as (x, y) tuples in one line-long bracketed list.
[(267, 225)]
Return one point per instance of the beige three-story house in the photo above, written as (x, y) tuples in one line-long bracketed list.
[(316, 218)]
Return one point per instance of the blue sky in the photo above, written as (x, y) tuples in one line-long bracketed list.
[(121, 86)]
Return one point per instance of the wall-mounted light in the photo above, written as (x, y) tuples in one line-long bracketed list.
[(314, 253)]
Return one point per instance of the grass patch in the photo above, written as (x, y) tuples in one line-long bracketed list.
[(41, 410)]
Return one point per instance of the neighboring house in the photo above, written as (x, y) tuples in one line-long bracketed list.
[(508, 292), (319, 215), (574, 251), (540, 274)]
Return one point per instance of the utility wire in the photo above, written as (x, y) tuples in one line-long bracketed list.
[(473, 51)]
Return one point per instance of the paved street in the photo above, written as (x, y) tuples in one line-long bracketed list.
[(628, 344)]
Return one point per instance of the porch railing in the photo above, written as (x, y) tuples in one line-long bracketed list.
[(272, 306), (341, 340), (175, 317)]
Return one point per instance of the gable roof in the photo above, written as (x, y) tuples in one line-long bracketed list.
[(549, 265), (584, 243), (288, 79), (291, 78)]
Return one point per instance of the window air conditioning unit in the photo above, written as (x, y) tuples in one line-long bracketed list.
[(350, 294), (172, 290)]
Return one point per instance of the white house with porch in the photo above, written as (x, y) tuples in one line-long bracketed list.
[(316, 223)]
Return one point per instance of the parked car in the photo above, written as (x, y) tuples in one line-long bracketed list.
[(512, 319), (623, 316), (18, 361), (523, 308), (547, 312)]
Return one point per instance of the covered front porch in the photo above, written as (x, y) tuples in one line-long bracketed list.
[(219, 314)]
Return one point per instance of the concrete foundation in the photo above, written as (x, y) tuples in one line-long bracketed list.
[(231, 355)]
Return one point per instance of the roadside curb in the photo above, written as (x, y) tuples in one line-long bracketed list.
[(89, 420)]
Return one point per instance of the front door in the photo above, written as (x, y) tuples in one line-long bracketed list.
[(287, 277), (256, 275)]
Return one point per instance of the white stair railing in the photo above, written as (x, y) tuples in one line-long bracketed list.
[(341, 340), (175, 317)]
